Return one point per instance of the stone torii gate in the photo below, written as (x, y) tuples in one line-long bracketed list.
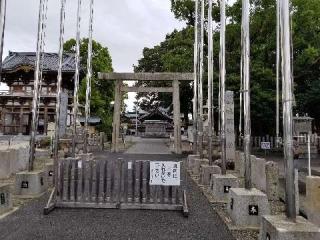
[(175, 90)]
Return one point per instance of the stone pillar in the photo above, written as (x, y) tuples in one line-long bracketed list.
[(230, 135), (176, 117), (272, 176), (116, 117)]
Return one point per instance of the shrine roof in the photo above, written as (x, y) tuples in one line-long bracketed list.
[(50, 61)]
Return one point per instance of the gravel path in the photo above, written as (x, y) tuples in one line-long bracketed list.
[(149, 146), (203, 222)]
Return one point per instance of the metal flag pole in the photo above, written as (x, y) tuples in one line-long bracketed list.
[(287, 111), (89, 76), (210, 81), (35, 99), (200, 90), (246, 89), (58, 99), (76, 82), (43, 36), (3, 7), (223, 82), (278, 75), (195, 82)]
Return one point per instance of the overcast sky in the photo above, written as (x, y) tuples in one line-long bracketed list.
[(124, 26)]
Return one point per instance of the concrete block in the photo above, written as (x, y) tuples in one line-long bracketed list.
[(191, 159), (272, 178), (246, 207), (31, 183), (5, 198), (258, 173), (21, 158), (5, 166), (49, 171), (280, 228), (313, 199), (197, 163), (221, 185), (206, 172)]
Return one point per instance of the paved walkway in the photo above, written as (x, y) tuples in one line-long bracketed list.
[(149, 146), (28, 223)]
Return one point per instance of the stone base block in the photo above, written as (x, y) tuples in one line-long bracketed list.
[(280, 228), (31, 183), (206, 172), (313, 199), (49, 171), (246, 207), (191, 160), (5, 198), (221, 185), (197, 163)]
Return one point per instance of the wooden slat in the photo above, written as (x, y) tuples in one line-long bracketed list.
[(97, 180), (76, 179), (61, 185), (105, 169), (130, 181), (109, 180), (144, 181), (83, 179), (69, 178), (90, 180), (137, 173)]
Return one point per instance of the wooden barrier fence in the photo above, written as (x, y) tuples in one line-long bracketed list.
[(113, 184)]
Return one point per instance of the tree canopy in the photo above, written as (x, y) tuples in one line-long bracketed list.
[(102, 92), (175, 54)]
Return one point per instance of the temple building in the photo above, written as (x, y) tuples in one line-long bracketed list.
[(16, 102)]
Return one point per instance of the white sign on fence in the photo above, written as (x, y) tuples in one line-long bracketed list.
[(165, 173), (265, 145)]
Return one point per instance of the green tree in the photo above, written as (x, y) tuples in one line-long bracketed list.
[(175, 55), (172, 55), (102, 92)]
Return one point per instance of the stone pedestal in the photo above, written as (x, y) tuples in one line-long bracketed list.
[(280, 228), (197, 163), (191, 160), (247, 206), (30, 183), (206, 173), (49, 171), (5, 198), (221, 185), (313, 199)]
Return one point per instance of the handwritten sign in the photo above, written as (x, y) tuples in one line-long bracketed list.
[(165, 173), (265, 145)]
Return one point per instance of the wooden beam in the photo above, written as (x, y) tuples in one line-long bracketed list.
[(147, 76), (146, 89)]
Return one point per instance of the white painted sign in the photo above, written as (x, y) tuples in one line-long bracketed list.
[(265, 145), (129, 165), (165, 173)]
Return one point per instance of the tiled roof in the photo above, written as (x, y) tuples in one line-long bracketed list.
[(50, 62)]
